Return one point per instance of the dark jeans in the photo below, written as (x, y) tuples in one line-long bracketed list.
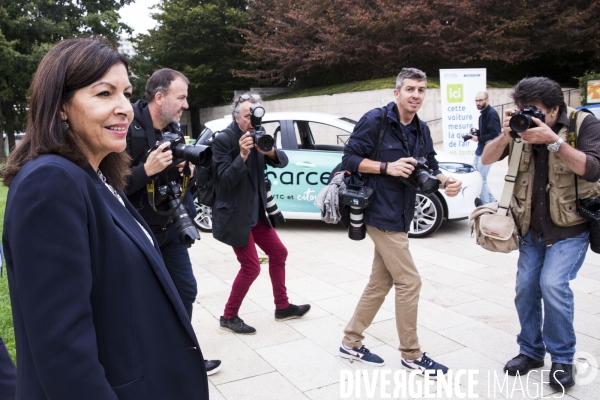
[(8, 374), (266, 238), (178, 264)]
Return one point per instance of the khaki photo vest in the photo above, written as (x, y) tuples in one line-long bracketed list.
[(560, 187)]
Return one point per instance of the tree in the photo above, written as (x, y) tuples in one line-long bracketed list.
[(317, 42), (202, 41), (29, 28)]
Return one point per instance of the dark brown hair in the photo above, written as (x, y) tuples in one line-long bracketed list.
[(539, 89), (70, 65), (160, 81)]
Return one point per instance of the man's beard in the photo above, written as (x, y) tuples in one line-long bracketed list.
[(167, 116)]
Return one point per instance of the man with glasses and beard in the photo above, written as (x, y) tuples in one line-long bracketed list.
[(166, 100), (489, 129), (240, 217)]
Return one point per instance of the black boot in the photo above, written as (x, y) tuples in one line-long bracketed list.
[(522, 364), (292, 311), (561, 375)]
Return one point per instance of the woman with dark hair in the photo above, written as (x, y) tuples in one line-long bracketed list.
[(96, 315)]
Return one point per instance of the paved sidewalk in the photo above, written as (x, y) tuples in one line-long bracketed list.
[(467, 319)]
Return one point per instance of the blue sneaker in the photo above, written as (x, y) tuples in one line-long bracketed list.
[(425, 366), (363, 355)]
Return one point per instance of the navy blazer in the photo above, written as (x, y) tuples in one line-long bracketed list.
[(96, 313)]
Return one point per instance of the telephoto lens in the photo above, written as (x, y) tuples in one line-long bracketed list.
[(357, 229), (186, 229), (275, 214)]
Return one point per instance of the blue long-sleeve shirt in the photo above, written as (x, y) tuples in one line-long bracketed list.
[(394, 202)]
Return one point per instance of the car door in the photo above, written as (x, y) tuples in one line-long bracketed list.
[(313, 151)]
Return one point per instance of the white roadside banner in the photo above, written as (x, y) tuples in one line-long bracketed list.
[(459, 113)]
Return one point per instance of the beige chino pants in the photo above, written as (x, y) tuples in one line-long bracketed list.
[(392, 266)]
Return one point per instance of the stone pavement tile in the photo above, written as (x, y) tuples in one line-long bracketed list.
[(343, 307), (239, 360), (585, 284), (331, 273), (303, 363), (430, 341), (589, 345), (491, 291), (315, 311), (436, 318), (268, 331), (595, 275), (484, 339), (586, 302), (331, 392), (596, 293), (492, 382), (592, 258), (313, 289), (506, 262), (208, 283), (290, 272), (466, 250), (208, 255), (495, 315), (589, 270), (494, 274), (214, 303), (588, 324), (327, 333), (270, 386), (206, 327), (360, 263), (449, 261), (443, 295), (298, 257), (223, 270), (213, 392), (355, 287), (448, 277)]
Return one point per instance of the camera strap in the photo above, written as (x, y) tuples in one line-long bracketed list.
[(150, 189)]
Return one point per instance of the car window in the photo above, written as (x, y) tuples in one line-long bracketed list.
[(318, 136)]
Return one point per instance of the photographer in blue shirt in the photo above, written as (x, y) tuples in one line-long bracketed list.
[(390, 214)]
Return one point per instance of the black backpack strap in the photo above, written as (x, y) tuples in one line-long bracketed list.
[(382, 128)]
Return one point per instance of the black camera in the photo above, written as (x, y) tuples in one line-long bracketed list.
[(422, 178), (263, 141), (358, 196), (275, 214), (196, 154), (186, 230), (170, 193), (472, 132), (590, 210), (520, 121)]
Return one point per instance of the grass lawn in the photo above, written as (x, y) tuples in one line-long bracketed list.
[(6, 323), (361, 86)]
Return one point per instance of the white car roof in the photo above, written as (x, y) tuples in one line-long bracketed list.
[(329, 119)]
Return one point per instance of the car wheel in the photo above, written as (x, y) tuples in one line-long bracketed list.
[(428, 216), (203, 220)]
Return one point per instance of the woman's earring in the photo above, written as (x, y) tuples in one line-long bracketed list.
[(66, 124)]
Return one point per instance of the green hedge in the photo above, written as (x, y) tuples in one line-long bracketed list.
[(6, 322)]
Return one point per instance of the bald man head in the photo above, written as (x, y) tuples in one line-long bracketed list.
[(481, 100)]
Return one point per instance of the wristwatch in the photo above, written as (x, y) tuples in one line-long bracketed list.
[(553, 148)]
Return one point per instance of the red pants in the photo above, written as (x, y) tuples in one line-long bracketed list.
[(266, 238)]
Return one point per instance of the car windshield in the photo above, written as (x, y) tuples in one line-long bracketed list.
[(206, 133)]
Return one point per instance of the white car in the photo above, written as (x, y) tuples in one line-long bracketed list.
[(314, 144)]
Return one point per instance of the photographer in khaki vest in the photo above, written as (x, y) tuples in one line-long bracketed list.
[(554, 236)]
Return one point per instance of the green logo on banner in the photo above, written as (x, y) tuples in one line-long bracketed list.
[(454, 93)]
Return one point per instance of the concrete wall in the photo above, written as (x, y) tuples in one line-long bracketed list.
[(354, 105)]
